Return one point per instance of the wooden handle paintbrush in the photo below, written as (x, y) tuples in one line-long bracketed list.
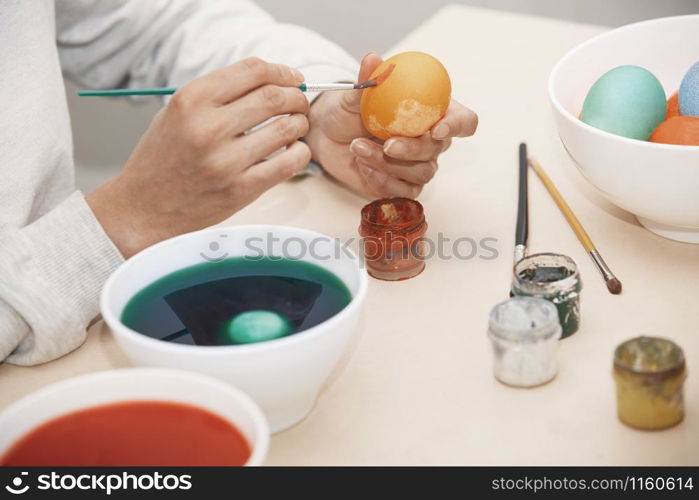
[(613, 284)]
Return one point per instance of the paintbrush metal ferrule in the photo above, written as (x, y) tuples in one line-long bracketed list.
[(613, 284), (520, 252), (601, 265)]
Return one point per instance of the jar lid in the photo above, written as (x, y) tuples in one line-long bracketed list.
[(393, 214), (525, 319), (649, 356)]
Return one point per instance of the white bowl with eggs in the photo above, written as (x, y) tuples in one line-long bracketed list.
[(284, 376), (137, 384), (658, 183)]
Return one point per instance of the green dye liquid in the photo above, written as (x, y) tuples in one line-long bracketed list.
[(236, 301), (567, 302)]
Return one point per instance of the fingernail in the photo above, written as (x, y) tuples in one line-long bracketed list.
[(441, 131), (298, 75), (360, 149), (395, 148)]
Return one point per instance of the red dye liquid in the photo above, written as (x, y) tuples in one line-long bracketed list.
[(146, 433), (393, 232)]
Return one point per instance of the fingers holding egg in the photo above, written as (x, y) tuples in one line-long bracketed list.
[(458, 121), (423, 148), (381, 185), (412, 111), (371, 154)]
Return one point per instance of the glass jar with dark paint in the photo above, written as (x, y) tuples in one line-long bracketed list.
[(553, 277)]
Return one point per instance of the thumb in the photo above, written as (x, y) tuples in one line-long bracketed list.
[(350, 100)]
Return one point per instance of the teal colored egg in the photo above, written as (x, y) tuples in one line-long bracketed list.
[(256, 326), (627, 101)]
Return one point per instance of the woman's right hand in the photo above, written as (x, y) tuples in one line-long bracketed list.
[(195, 166)]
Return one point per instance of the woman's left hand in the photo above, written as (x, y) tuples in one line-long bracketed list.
[(401, 166)]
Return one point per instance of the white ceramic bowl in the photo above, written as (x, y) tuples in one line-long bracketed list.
[(659, 183), (283, 376), (133, 384)]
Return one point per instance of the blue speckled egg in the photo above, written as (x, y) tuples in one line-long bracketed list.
[(689, 92), (627, 101)]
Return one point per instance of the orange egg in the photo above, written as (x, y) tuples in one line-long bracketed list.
[(682, 130), (412, 99), (673, 107)]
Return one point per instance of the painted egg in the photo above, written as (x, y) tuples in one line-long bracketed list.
[(673, 107), (689, 92), (412, 99), (682, 130), (627, 101), (257, 326)]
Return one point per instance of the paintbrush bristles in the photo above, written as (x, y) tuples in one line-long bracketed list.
[(614, 286)]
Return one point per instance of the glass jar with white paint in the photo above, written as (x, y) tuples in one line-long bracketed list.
[(524, 332)]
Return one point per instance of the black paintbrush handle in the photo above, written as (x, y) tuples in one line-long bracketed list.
[(522, 229)]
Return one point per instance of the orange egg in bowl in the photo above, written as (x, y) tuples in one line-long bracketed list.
[(413, 97), (673, 107), (681, 130)]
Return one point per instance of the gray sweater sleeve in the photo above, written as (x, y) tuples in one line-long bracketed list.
[(51, 275), (136, 43), (54, 255)]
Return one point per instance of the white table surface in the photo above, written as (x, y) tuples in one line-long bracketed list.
[(418, 387)]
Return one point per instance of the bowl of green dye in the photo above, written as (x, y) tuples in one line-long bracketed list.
[(658, 183), (269, 309)]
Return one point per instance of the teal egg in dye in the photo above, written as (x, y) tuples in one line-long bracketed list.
[(256, 326), (627, 101)]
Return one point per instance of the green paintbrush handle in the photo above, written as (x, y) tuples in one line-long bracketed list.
[(304, 87), (117, 92)]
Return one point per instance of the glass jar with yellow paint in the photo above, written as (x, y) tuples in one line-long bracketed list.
[(649, 374)]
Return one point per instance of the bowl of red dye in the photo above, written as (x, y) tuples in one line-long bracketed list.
[(134, 417)]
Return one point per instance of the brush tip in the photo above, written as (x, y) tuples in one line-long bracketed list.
[(614, 286), (385, 74)]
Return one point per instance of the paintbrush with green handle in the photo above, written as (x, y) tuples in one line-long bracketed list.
[(304, 87)]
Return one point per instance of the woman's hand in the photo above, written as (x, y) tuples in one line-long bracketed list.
[(399, 167), (195, 166)]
